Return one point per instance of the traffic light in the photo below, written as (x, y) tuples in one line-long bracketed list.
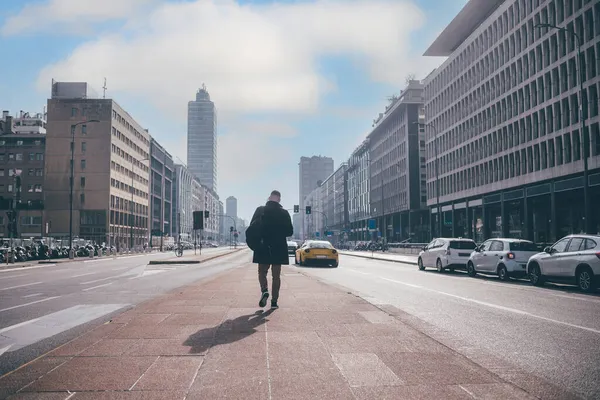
[(206, 214), (198, 220), (308, 209), (296, 208), (231, 229)]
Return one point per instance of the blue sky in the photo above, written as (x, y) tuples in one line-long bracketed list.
[(290, 78)]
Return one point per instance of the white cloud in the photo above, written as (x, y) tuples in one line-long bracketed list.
[(252, 58), (69, 16)]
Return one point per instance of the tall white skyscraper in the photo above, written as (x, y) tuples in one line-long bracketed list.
[(231, 206), (202, 139)]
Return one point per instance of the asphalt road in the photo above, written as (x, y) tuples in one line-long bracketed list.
[(550, 332), (43, 307)]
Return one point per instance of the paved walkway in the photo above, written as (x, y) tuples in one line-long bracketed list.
[(209, 340), (378, 255)]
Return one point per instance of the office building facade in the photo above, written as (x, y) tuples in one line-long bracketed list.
[(397, 168), (231, 207), (358, 192), (505, 127), (202, 139), (312, 172), (111, 169), (22, 148), (162, 169), (190, 195)]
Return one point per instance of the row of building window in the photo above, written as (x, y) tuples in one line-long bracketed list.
[(556, 118), (119, 203), (519, 15), (128, 188), (30, 172), (36, 188), (19, 142), (130, 143), (546, 154), (116, 116), (20, 156)]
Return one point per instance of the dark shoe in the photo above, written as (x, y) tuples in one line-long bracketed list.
[(274, 304), (263, 299)]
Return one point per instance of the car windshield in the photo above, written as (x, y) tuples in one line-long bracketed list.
[(462, 245), (320, 245), (523, 246)]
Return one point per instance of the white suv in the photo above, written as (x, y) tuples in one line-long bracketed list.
[(573, 259), (505, 257), (444, 253)]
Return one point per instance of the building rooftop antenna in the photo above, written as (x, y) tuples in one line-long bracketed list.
[(104, 88)]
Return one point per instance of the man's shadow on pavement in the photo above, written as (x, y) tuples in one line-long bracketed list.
[(228, 331)]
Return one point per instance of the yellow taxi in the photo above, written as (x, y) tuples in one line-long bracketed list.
[(317, 252)]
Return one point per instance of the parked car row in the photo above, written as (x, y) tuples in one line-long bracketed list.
[(574, 259)]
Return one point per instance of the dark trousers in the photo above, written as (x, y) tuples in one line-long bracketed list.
[(263, 269)]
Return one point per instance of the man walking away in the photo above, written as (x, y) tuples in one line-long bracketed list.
[(267, 235)]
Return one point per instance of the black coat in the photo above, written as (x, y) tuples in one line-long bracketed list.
[(277, 227)]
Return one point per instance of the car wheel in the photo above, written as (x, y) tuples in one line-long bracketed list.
[(503, 273), (420, 264), (535, 275), (471, 269), (585, 279), (335, 265), (438, 266)]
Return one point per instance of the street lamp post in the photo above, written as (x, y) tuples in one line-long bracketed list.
[(131, 205), (584, 142), (71, 183), (437, 173)]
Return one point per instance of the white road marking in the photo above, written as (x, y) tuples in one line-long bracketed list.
[(498, 307), (32, 295), (18, 325), (20, 286), (358, 272), (593, 300), (5, 349), (26, 268), (402, 283), (97, 280), (26, 333), (28, 304), (86, 274), (96, 287), (14, 276), (99, 260)]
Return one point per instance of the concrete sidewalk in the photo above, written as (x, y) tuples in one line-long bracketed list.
[(209, 340), (378, 255)]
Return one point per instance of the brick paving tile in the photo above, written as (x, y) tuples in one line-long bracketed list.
[(126, 395), (81, 343), (422, 368), (14, 381), (209, 340), (365, 369), (40, 396), (109, 347), (170, 373), (416, 392), (93, 373), (161, 347)]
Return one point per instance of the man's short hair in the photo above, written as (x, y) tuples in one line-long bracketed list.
[(276, 193)]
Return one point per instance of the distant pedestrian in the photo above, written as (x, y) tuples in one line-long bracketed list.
[(267, 235)]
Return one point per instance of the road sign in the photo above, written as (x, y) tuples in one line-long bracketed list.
[(372, 224), (329, 234), (317, 234)]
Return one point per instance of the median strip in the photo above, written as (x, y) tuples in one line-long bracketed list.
[(379, 258), (180, 261)]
